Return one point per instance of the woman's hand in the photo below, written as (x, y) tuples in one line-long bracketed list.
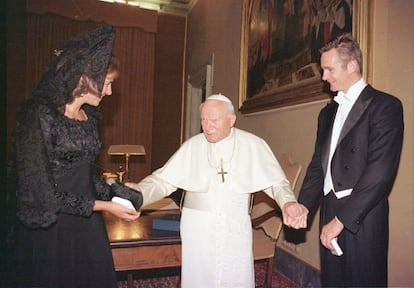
[(117, 210)]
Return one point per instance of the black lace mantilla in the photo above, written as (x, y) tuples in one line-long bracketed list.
[(87, 54), (48, 146)]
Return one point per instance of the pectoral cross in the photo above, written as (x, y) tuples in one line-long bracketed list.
[(222, 172)]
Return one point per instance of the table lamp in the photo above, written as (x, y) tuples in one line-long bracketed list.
[(127, 151)]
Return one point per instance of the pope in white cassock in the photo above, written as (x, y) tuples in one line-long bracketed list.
[(219, 169)]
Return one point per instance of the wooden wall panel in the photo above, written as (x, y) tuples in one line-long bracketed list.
[(168, 88), (127, 113)]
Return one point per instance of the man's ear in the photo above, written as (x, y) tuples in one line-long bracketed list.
[(353, 66), (232, 120)]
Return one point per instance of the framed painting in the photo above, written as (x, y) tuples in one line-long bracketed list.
[(279, 57)]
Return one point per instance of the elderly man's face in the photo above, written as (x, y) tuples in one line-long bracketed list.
[(216, 120)]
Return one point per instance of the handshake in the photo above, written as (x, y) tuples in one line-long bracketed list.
[(122, 192), (295, 215)]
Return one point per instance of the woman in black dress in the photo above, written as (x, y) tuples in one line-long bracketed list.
[(61, 239)]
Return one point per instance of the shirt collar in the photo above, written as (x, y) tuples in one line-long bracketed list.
[(353, 92)]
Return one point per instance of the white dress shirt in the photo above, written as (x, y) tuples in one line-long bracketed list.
[(345, 101)]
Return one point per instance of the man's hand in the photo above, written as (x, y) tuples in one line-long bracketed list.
[(295, 215), (330, 231), (132, 185)]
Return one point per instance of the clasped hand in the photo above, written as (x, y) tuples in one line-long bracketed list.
[(295, 215), (123, 212)]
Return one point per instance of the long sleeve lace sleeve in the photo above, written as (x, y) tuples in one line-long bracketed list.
[(74, 204), (102, 189)]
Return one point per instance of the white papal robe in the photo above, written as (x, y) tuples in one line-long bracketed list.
[(215, 229)]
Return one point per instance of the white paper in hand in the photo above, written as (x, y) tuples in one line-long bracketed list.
[(124, 202), (337, 249)]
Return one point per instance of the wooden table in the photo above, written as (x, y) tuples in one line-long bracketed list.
[(135, 245)]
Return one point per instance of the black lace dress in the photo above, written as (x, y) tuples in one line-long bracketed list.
[(72, 251)]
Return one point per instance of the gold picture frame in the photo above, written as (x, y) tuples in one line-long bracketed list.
[(282, 80)]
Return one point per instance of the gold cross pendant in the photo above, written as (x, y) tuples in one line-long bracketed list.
[(222, 172)]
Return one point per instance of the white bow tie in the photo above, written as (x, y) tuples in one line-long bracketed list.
[(341, 98)]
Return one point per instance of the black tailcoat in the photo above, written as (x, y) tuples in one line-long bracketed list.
[(366, 159)]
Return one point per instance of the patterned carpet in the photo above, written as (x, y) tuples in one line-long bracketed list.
[(168, 278)]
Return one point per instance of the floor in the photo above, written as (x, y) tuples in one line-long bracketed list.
[(168, 278)]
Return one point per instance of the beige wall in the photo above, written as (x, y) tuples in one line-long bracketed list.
[(214, 27), (393, 72)]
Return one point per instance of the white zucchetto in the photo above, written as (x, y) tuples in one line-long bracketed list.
[(219, 97)]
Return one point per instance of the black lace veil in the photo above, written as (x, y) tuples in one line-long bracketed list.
[(30, 179), (86, 54)]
